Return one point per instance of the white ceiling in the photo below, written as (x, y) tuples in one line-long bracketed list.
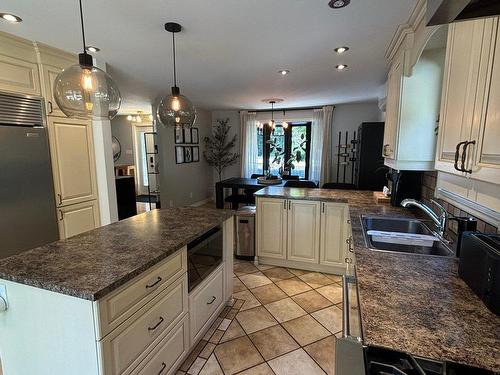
[(230, 50)]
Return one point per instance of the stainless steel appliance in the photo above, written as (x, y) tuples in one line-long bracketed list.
[(245, 232), (204, 254), (446, 11), (27, 204), (353, 357), (479, 267)]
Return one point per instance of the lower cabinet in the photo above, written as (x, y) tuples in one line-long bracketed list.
[(204, 302), (303, 233), (78, 218)]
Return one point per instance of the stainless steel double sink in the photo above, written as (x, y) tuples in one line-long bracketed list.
[(402, 225)]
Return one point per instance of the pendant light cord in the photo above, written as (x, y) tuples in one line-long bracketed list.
[(83, 29), (173, 53)]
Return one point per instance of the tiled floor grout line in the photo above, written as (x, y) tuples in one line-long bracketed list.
[(275, 318)]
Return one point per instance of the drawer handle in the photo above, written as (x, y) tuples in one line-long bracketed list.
[(163, 367), (154, 284), (212, 301), (156, 325)]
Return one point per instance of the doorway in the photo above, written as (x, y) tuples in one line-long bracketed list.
[(147, 182)]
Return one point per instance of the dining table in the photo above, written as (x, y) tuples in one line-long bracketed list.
[(235, 184)]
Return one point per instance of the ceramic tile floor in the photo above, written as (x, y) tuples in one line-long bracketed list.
[(283, 322)]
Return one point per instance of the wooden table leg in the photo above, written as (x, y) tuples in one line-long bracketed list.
[(219, 195)]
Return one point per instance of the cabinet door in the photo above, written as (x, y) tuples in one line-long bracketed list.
[(487, 159), (78, 218), (393, 107), (462, 66), (271, 227), (19, 76), (73, 165), (303, 231), (334, 233), (49, 76)]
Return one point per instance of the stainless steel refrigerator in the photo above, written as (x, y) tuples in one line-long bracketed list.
[(27, 205)]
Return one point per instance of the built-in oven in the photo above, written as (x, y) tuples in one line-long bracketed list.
[(204, 255)]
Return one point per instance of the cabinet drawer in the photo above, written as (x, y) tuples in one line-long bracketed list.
[(118, 306), (205, 300), (129, 343), (166, 357)]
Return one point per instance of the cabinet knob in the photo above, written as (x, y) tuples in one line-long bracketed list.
[(154, 284), (156, 325), (212, 300), (61, 215), (51, 109), (163, 367), (59, 197)]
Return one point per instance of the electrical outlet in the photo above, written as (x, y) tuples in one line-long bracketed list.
[(3, 298)]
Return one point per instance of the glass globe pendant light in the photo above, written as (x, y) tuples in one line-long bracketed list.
[(175, 110), (85, 91)]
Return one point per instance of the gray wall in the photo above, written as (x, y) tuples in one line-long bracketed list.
[(349, 117), (184, 184), (121, 128)]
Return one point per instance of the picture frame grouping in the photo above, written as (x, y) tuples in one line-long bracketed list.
[(186, 136), (187, 154)]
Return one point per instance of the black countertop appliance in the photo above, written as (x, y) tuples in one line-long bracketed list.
[(403, 185), (479, 266)]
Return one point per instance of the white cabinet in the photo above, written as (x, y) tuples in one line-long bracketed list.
[(333, 243), (271, 227), (72, 152), (392, 108), (18, 66), (78, 218), (51, 62), (303, 231)]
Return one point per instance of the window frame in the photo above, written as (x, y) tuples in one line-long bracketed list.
[(266, 135)]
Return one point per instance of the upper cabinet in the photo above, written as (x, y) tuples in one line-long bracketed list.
[(18, 66), (416, 58), (469, 131), (51, 62)]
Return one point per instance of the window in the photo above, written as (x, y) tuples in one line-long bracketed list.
[(285, 147)]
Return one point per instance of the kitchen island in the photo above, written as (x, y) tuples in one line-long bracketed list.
[(412, 303), (115, 299)]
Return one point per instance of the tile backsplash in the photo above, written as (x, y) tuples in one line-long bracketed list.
[(428, 187)]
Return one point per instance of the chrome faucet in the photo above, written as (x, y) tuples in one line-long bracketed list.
[(440, 220)]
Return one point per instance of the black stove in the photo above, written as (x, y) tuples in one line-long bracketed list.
[(382, 361)]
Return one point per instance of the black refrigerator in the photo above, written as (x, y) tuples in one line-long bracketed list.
[(369, 171)]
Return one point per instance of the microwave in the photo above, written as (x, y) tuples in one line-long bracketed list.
[(204, 255)]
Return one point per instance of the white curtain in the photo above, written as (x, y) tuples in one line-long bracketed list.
[(248, 144), (320, 159)]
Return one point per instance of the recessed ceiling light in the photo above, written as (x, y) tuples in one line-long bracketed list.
[(341, 67), (11, 17), (92, 49), (283, 72), (336, 4), (341, 50)]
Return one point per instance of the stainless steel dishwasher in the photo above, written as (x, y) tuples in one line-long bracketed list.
[(245, 233)]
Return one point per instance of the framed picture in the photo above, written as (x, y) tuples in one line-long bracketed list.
[(179, 154), (196, 154), (179, 135), (187, 136), (188, 154), (194, 136)]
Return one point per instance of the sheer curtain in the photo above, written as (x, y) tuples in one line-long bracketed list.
[(248, 144), (320, 158)]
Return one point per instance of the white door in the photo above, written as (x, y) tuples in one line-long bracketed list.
[(303, 231), (143, 162), (78, 218), (72, 153), (271, 227), (334, 233)]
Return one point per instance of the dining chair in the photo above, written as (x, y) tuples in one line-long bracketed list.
[(300, 184)]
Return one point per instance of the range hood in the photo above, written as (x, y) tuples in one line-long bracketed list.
[(447, 11)]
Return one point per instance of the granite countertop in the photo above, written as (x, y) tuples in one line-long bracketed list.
[(412, 303), (94, 263)]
